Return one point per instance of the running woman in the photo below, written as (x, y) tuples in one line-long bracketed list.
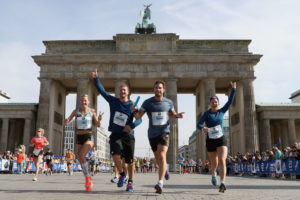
[(70, 157), (38, 142), (84, 117), (121, 126), (215, 140), (159, 109)]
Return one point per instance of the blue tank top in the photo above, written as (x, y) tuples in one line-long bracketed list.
[(84, 121)]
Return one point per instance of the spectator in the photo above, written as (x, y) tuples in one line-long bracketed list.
[(20, 158), (277, 152)]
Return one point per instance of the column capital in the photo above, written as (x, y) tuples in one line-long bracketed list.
[(209, 80)]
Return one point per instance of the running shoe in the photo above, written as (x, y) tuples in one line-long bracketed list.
[(121, 181), (158, 189), (129, 187), (114, 180), (222, 188), (167, 175), (34, 179), (88, 184), (126, 180), (214, 180)]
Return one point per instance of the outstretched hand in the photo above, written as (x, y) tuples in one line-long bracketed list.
[(233, 84), (100, 116), (179, 115), (94, 74)]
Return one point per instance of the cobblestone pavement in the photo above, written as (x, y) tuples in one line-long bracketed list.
[(189, 186)]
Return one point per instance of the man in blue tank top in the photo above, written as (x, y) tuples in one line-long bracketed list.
[(121, 126), (159, 109)]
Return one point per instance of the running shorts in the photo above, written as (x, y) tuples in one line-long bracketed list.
[(213, 144), (162, 139), (123, 145), (82, 138)]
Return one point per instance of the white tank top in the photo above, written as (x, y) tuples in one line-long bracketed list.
[(84, 121)]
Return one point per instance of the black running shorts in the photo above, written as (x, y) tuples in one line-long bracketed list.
[(82, 138), (213, 144), (162, 139), (123, 145)]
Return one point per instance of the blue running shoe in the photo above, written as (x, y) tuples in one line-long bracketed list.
[(167, 175), (214, 180), (129, 187), (158, 189), (121, 181)]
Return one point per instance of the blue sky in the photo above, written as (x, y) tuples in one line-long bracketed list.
[(272, 25)]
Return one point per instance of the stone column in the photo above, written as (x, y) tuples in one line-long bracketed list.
[(82, 89), (209, 90), (249, 116), (4, 135), (171, 93), (265, 142), (11, 136), (284, 133), (277, 132), (43, 119), (26, 133), (292, 131)]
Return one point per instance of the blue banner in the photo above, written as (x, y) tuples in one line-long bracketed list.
[(288, 166), (57, 167)]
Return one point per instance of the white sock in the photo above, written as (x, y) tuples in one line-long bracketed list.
[(161, 183), (85, 169)]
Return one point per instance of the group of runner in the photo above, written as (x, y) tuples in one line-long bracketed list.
[(124, 117)]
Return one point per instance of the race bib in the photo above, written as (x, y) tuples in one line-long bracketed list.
[(48, 157), (36, 152), (120, 118), (215, 132), (159, 118), (68, 160)]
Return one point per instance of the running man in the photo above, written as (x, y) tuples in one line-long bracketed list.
[(38, 142), (84, 117), (215, 141), (159, 109), (49, 160), (121, 126), (93, 159), (70, 157)]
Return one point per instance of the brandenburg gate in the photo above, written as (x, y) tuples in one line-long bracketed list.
[(200, 67)]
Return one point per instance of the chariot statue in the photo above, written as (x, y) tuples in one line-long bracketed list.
[(145, 27)]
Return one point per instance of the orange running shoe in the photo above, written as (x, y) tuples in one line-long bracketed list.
[(88, 184)]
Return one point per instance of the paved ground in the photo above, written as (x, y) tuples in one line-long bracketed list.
[(59, 186)]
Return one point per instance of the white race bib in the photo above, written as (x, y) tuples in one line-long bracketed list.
[(120, 118), (48, 157), (36, 152), (215, 132), (159, 118)]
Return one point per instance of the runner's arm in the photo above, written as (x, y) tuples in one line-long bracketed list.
[(200, 123), (72, 115), (230, 99)]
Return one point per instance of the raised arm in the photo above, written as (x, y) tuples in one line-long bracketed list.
[(100, 87), (231, 98), (97, 119)]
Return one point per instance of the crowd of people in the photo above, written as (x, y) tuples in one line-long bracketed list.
[(274, 154)]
